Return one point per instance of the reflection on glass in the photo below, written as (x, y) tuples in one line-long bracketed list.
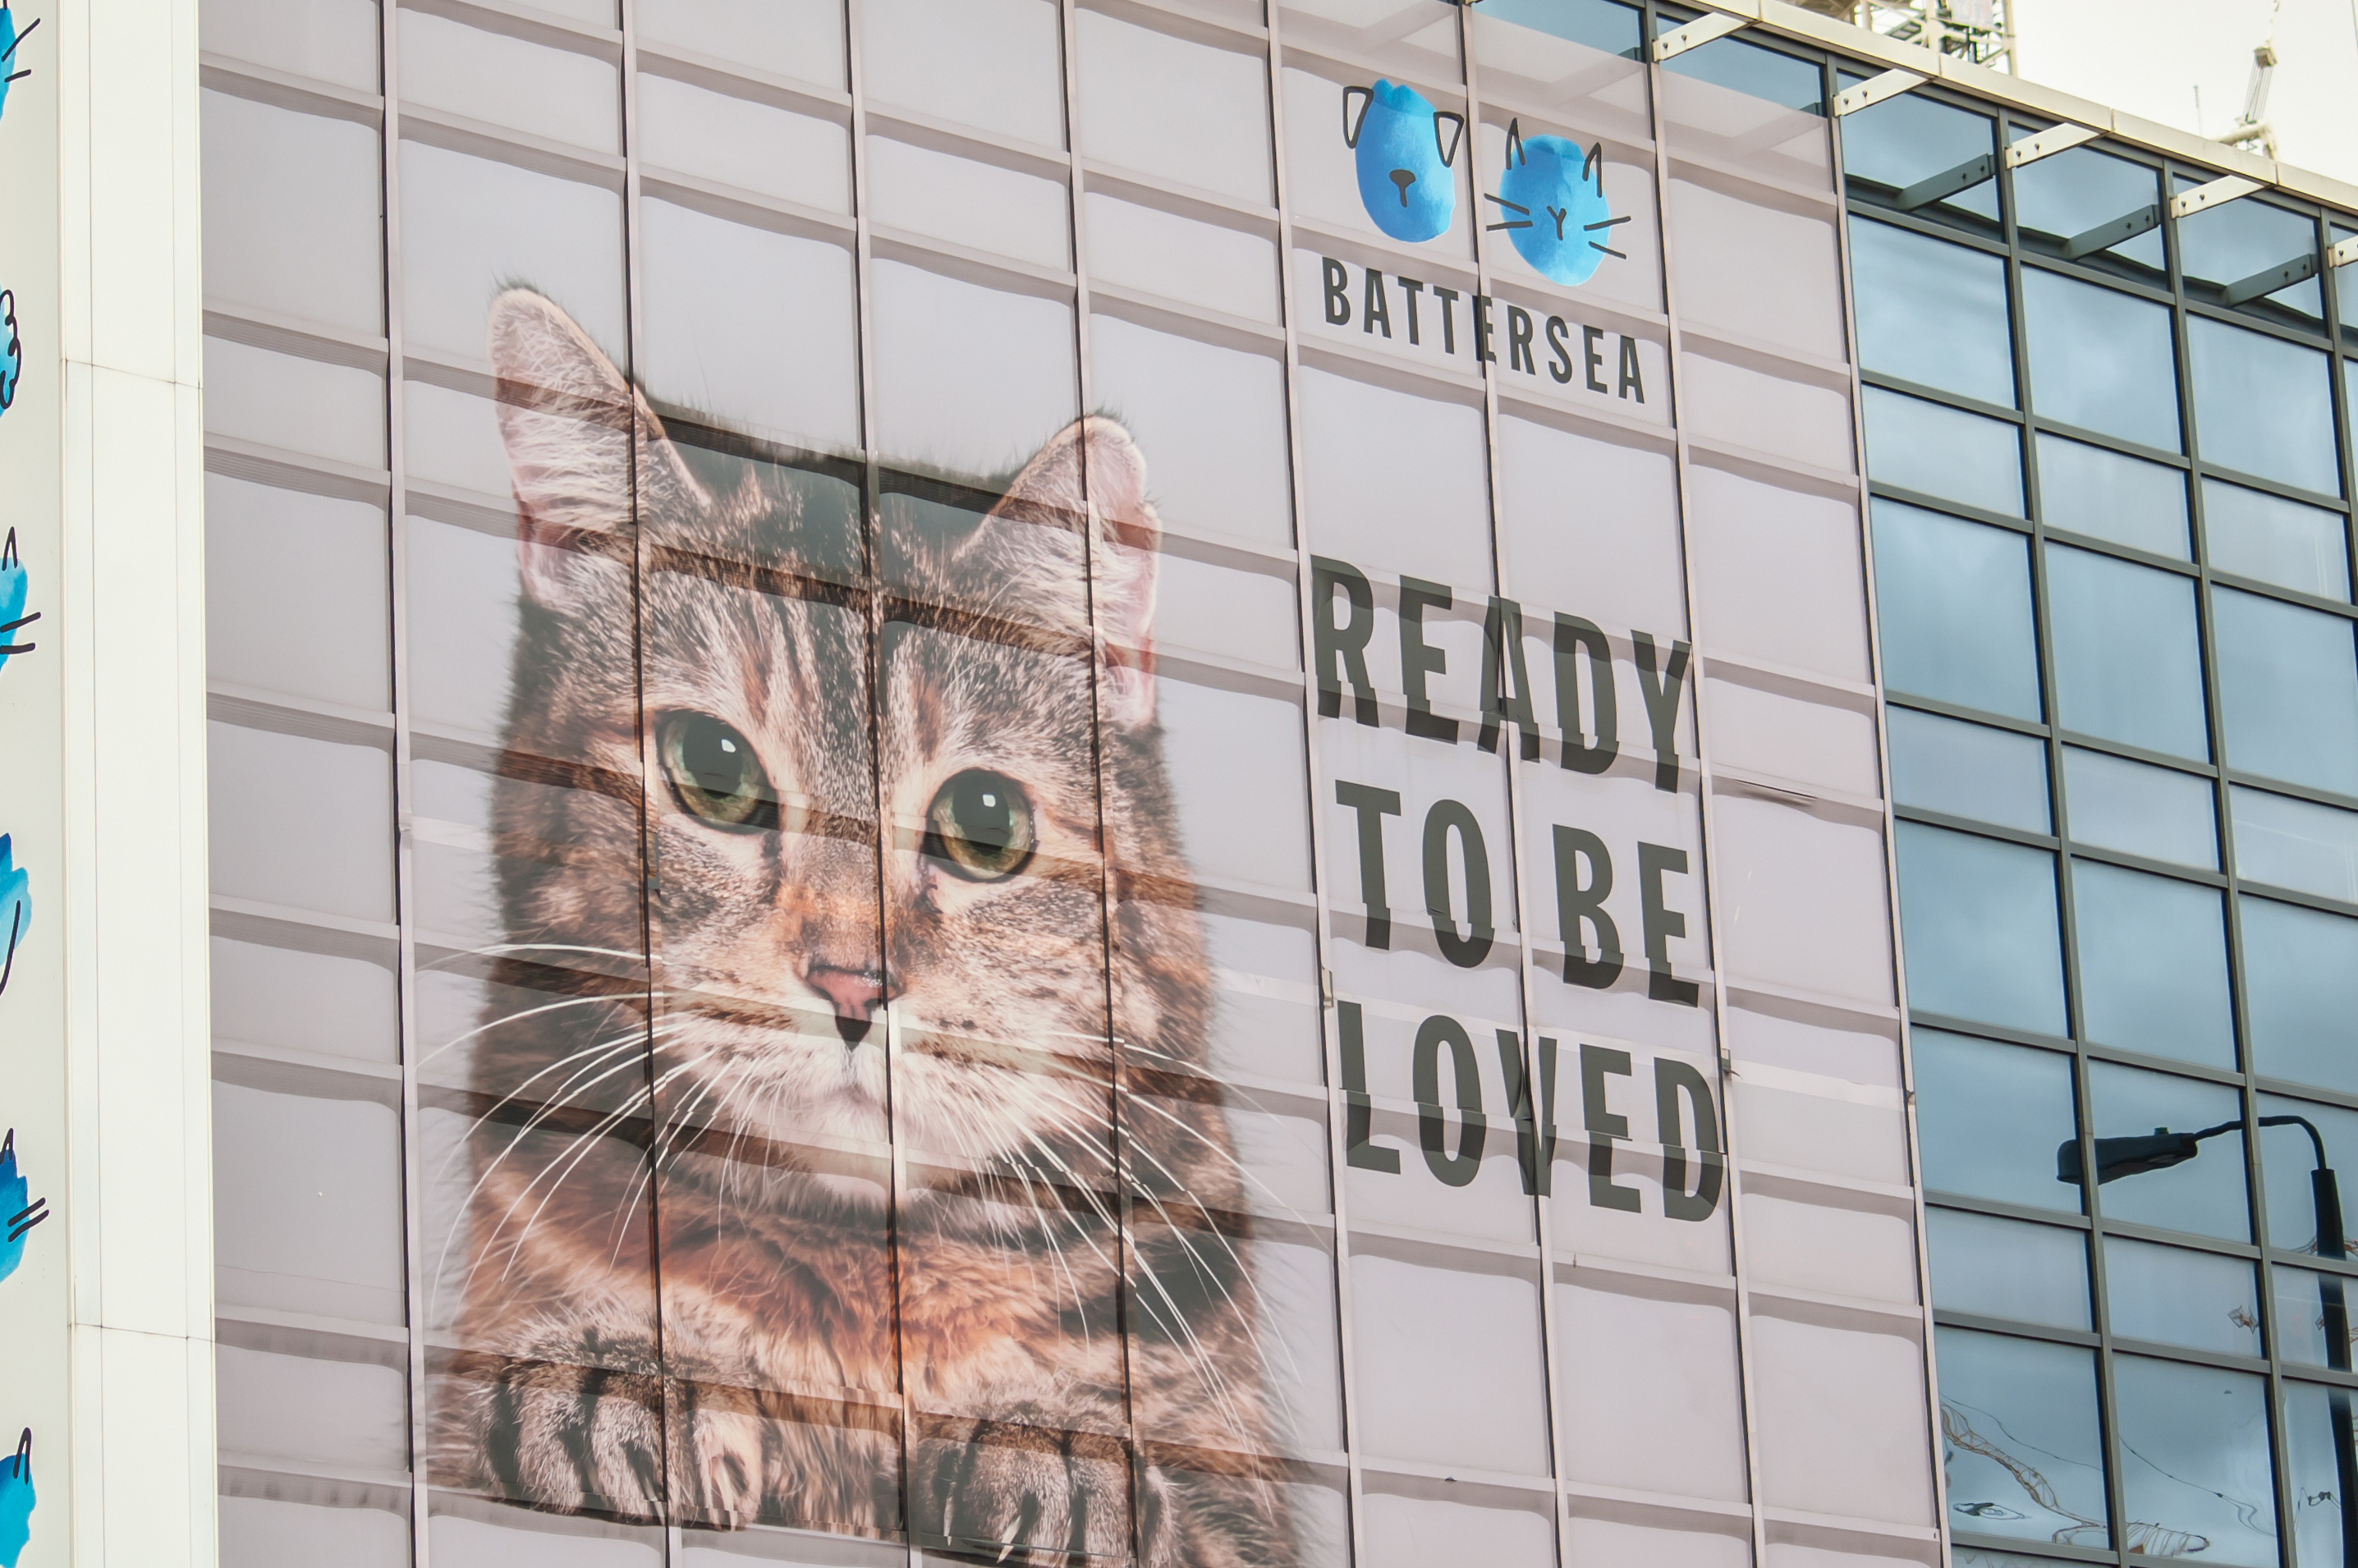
[(2194, 1460), (2300, 1313), (2263, 406), (1978, 919), (1944, 451), (1990, 1118), (1922, 155), (2024, 1453), (2140, 809), (2252, 251), (2174, 1296), (2289, 684), (1964, 346), (2100, 359), (1968, 770), (2004, 1268), (1747, 68), (2255, 535), (2310, 1413), (2204, 1194), (2300, 970), (2110, 495), (2295, 844), (1600, 23), (1955, 603), (2091, 204), (2153, 965), (2129, 665)]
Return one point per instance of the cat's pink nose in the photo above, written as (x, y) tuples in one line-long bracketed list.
[(858, 995)]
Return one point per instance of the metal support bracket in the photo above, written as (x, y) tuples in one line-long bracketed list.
[(1695, 34), (2344, 252), (2046, 143), (1874, 90), (2217, 192)]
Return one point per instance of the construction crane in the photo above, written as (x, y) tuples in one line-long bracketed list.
[(1979, 31), (2253, 125)]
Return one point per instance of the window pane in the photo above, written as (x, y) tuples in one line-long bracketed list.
[(2140, 809), (1968, 770), (2100, 359), (1991, 1117), (1944, 451), (967, 378), (2175, 1296), (2129, 665), (2263, 406), (2002, 1267), (1965, 346), (968, 202), (2301, 969), (794, 38), (2194, 1453), (2310, 1413), (295, 593), (2024, 1455), (471, 226), (2153, 965), (334, 40), (2204, 1195), (1955, 602), (506, 80), (1166, 106), (2091, 204), (1741, 66), (2247, 250), (308, 1204), (2288, 683), (1922, 155), (1978, 918), (2301, 1300), (1211, 265), (301, 404), (2295, 844), (294, 214), (2253, 533), (2126, 499), (992, 63), (2288, 1158), (738, 141)]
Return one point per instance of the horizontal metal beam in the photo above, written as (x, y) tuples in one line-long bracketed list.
[(2344, 252), (1701, 31), (2216, 193), (2046, 143), (1874, 90)]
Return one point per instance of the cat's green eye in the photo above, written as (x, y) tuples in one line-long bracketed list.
[(980, 825), (714, 771)]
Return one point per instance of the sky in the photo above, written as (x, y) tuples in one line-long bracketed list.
[(2149, 56)]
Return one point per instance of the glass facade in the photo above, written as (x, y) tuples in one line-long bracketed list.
[(2117, 640), (1104, 780)]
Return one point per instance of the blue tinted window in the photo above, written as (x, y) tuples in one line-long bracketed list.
[(2288, 1156), (2194, 1451), (2174, 1296), (1955, 602), (2246, 247), (2310, 1419), (1748, 68), (1979, 924), (2024, 1454), (1599, 24), (2128, 664), (2263, 406), (2203, 1195), (2255, 535), (1989, 1117), (2092, 204), (1968, 770), (1944, 451), (2288, 689), (2095, 491), (2004, 1268), (2301, 969), (2140, 809), (1965, 346), (2297, 844), (2100, 359), (2153, 965), (1926, 155)]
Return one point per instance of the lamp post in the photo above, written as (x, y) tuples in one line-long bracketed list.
[(2118, 1157)]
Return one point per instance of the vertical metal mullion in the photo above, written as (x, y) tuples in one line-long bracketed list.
[(871, 531), (1510, 758), (405, 880), (1714, 935), (1890, 822), (1338, 1162)]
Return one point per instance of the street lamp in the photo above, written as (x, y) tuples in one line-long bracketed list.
[(2118, 1157)]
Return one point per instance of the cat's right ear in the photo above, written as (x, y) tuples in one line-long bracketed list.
[(568, 417)]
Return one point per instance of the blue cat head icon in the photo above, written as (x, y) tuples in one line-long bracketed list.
[(1551, 204), (14, 587), (1405, 148), (9, 38), (19, 1211), (15, 906), (16, 1501)]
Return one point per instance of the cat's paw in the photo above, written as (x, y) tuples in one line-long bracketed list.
[(562, 1430), (1008, 1492)]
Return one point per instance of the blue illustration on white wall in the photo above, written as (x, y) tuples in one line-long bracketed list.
[(16, 905), (12, 348), (16, 1501), (23, 1211), (1405, 148), (1551, 204), (15, 585), (10, 71)]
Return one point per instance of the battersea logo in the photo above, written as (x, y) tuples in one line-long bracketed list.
[(1405, 148), (1551, 204)]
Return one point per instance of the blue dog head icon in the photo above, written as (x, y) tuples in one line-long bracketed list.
[(1404, 158), (1551, 204)]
